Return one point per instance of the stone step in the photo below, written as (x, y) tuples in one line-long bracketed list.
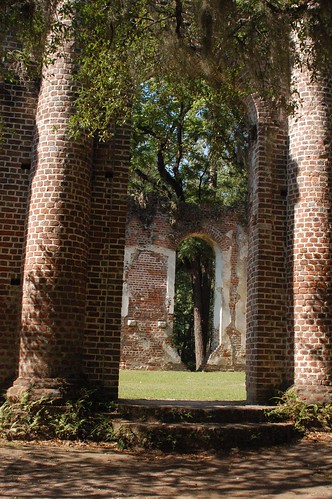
[(200, 437), (195, 426), (192, 411)]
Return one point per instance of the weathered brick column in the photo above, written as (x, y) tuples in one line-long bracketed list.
[(310, 223), (53, 303), (266, 362)]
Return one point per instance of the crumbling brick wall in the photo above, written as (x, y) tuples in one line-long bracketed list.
[(151, 241)]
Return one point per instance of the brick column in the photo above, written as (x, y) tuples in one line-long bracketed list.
[(53, 303), (266, 310), (310, 218)]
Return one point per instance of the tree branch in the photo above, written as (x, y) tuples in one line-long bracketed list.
[(179, 139), (151, 181), (179, 18), (174, 183)]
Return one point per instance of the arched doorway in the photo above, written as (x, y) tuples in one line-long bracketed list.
[(194, 301)]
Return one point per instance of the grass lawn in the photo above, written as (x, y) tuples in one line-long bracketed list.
[(182, 385)]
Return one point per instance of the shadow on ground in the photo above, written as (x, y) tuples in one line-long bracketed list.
[(45, 470)]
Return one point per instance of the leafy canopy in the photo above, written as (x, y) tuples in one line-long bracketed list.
[(186, 143), (178, 70), (240, 46)]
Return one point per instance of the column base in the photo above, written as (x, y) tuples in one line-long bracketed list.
[(58, 390), (55, 389), (314, 394)]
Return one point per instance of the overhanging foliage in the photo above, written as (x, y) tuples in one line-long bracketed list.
[(240, 46)]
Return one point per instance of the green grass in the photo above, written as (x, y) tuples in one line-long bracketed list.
[(182, 385)]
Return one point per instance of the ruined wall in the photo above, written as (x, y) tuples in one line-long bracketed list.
[(149, 278), (101, 353)]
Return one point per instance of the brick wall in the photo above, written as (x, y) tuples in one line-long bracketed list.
[(73, 204), (151, 243), (105, 268), (17, 115), (289, 267), (267, 299)]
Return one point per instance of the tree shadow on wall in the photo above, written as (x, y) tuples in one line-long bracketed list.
[(52, 320)]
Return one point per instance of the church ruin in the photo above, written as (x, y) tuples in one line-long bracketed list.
[(62, 226)]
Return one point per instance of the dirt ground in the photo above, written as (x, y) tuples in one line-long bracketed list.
[(45, 470)]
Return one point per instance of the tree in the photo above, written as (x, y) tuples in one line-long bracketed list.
[(238, 46), (183, 325), (187, 146)]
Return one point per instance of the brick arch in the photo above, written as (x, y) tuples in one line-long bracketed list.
[(200, 235), (147, 321)]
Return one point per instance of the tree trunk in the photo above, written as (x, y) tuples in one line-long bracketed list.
[(200, 344), (206, 287)]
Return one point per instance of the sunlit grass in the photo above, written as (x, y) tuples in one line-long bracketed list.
[(182, 385)]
